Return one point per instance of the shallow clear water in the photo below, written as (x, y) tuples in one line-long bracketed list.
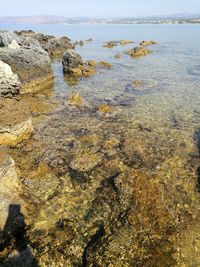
[(154, 125), (171, 72)]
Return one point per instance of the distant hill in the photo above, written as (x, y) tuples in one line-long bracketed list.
[(33, 19), (51, 19)]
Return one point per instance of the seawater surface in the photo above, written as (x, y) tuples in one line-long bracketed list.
[(118, 188)]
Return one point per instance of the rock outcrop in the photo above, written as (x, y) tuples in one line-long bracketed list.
[(9, 81), (71, 60), (74, 65), (28, 60), (54, 46)]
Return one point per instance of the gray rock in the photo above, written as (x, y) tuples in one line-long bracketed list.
[(25, 56), (6, 38), (71, 60), (54, 46), (9, 82)]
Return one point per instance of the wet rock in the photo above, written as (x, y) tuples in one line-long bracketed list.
[(29, 61), (71, 60), (138, 52), (104, 108), (92, 63), (83, 71), (118, 55), (110, 44), (89, 40), (81, 43), (137, 83), (9, 82), (125, 42), (15, 121), (104, 64), (147, 43), (74, 65), (75, 99)]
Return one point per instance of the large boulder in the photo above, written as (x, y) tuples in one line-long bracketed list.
[(9, 81), (55, 46), (28, 60), (74, 65), (71, 60), (6, 38)]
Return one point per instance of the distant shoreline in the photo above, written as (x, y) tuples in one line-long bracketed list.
[(117, 21)]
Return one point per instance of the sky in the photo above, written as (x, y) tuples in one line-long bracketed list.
[(98, 8)]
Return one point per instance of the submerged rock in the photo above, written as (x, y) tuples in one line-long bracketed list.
[(89, 40), (118, 55), (125, 42), (104, 64), (146, 43), (75, 99), (9, 81), (104, 108), (137, 83), (81, 43), (110, 44), (85, 161), (138, 52), (83, 71)]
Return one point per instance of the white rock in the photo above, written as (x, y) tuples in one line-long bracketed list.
[(9, 81), (14, 45)]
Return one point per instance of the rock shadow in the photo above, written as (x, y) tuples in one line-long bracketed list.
[(14, 245)]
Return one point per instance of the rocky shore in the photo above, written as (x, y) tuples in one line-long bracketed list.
[(83, 183)]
